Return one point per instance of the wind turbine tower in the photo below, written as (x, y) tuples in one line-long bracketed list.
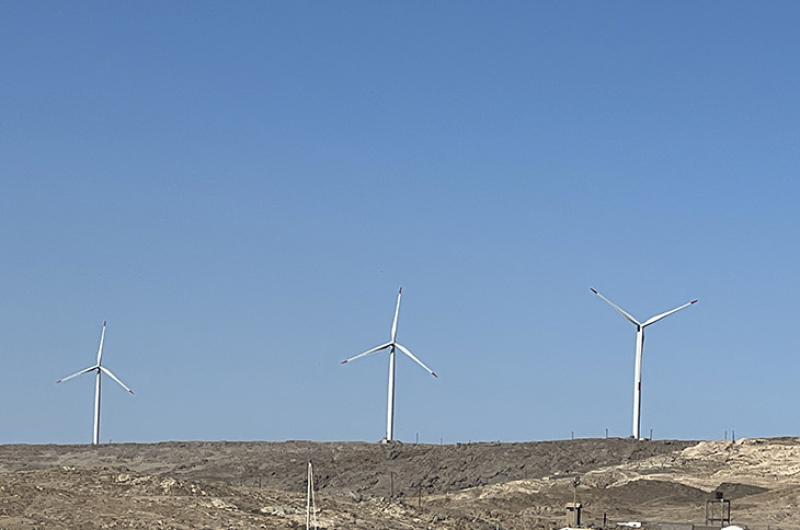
[(98, 368), (637, 371), (392, 345)]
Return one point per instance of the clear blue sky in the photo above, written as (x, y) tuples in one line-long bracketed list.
[(240, 189)]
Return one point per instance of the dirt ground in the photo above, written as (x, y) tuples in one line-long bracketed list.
[(486, 486)]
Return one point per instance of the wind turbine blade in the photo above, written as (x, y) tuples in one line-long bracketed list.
[(615, 306), (396, 315), (100, 349), (76, 374), (656, 318), (112, 376), (405, 350), (373, 350)]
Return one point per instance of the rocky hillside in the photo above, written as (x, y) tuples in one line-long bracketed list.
[(218, 485)]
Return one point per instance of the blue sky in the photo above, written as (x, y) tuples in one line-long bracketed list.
[(240, 189)]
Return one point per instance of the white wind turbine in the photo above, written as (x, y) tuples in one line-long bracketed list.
[(392, 344), (98, 368), (637, 373)]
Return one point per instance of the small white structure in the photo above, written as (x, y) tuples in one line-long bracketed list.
[(311, 505)]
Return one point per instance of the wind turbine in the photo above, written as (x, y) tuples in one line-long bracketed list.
[(98, 368), (637, 372), (392, 344)]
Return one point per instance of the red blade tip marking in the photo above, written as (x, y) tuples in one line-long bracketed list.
[(401, 290), (131, 391), (58, 381), (104, 323), (434, 375), (694, 301), (593, 290), (344, 362)]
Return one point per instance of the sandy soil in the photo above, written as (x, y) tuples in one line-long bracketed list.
[(222, 485)]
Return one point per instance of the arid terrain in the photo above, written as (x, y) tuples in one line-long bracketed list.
[(231, 485)]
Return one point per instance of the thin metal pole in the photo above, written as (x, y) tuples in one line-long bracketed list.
[(308, 498)]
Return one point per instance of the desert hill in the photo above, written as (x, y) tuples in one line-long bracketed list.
[(220, 485)]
